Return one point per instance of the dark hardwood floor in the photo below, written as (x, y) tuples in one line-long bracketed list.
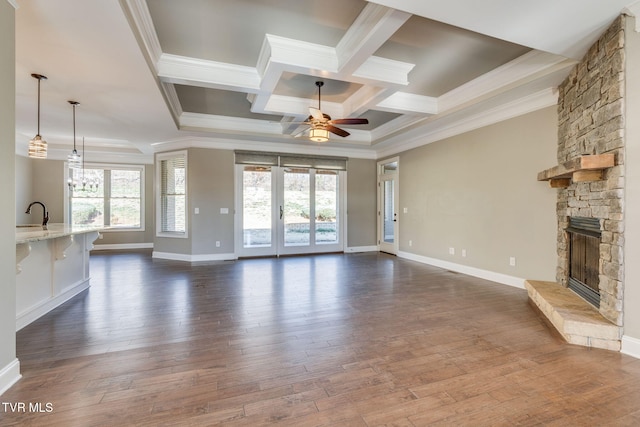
[(330, 340)]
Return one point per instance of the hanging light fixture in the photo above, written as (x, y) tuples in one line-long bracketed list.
[(86, 185), (73, 159), (319, 134), (38, 146)]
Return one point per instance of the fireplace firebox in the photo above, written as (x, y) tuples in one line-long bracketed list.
[(584, 258)]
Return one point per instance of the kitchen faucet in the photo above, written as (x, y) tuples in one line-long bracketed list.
[(45, 214)]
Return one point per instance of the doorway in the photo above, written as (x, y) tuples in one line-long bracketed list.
[(388, 202), (288, 210)]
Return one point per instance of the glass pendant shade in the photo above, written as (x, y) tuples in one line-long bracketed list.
[(38, 146), (319, 135), (74, 159)]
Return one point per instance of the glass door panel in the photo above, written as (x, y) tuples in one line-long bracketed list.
[(389, 212), (257, 207), (287, 211), (326, 207), (388, 195), (296, 211)]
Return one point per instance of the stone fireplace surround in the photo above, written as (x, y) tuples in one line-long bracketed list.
[(591, 120)]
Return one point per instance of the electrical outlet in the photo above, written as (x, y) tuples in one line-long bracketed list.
[(452, 251), (196, 211), (410, 243), (464, 253), (512, 261), (217, 243)]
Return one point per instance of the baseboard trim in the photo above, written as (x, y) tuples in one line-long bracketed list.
[(122, 246), (630, 346), (35, 312), (504, 279), (355, 249), (194, 258), (9, 375)]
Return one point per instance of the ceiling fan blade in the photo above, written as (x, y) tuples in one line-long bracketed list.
[(316, 113), (354, 121), (337, 131)]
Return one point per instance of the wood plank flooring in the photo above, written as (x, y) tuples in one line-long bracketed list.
[(329, 340)]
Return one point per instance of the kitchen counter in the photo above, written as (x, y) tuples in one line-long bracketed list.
[(34, 233), (52, 266)]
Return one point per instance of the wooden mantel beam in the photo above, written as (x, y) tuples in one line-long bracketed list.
[(594, 162)]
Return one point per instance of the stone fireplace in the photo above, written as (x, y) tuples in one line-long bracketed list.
[(591, 121), (590, 203)]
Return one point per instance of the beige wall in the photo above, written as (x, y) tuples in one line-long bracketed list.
[(478, 192), (361, 203), (7, 178), (48, 187), (211, 188), (24, 187), (632, 190)]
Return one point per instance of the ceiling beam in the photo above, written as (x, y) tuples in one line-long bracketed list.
[(371, 29)]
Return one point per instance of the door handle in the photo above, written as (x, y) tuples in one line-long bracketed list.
[(281, 212)]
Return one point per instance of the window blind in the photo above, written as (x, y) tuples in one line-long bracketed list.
[(173, 194), (291, 160)]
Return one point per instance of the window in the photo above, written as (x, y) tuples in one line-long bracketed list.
[(109, 195), (172, 194)]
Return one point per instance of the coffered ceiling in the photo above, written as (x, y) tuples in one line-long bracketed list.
[(158, 74)]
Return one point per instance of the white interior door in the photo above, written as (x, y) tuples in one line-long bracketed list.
[(285, 211), (388, 203)]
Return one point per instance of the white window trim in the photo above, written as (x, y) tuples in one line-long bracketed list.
[(158, 190), (111, 166)]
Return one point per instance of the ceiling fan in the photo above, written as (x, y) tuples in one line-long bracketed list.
[(321, 124)]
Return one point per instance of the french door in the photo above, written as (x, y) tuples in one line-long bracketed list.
[(288, 210)]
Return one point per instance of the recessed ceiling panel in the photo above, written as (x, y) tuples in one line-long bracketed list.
[(218, 102), (304, 86), (376, 118), (445, 56), (232, 31)]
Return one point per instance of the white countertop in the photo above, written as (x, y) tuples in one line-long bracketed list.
[(36, 233)]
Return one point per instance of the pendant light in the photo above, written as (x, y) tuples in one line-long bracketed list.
[(73, 159), (38, 146)]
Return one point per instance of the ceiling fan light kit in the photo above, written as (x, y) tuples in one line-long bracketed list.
[(321, 124), (319, 135)]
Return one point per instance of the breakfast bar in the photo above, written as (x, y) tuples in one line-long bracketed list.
[(52, 266)]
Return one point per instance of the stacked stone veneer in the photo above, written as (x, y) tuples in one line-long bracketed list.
[(591, 121)]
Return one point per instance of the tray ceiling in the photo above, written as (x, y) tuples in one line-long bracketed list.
[(151, 75)]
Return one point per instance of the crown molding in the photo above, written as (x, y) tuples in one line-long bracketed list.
[(207, 122), (293, 147), (634, 10), (137, 13), (532, 64), (439, 130), (402, 103)]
